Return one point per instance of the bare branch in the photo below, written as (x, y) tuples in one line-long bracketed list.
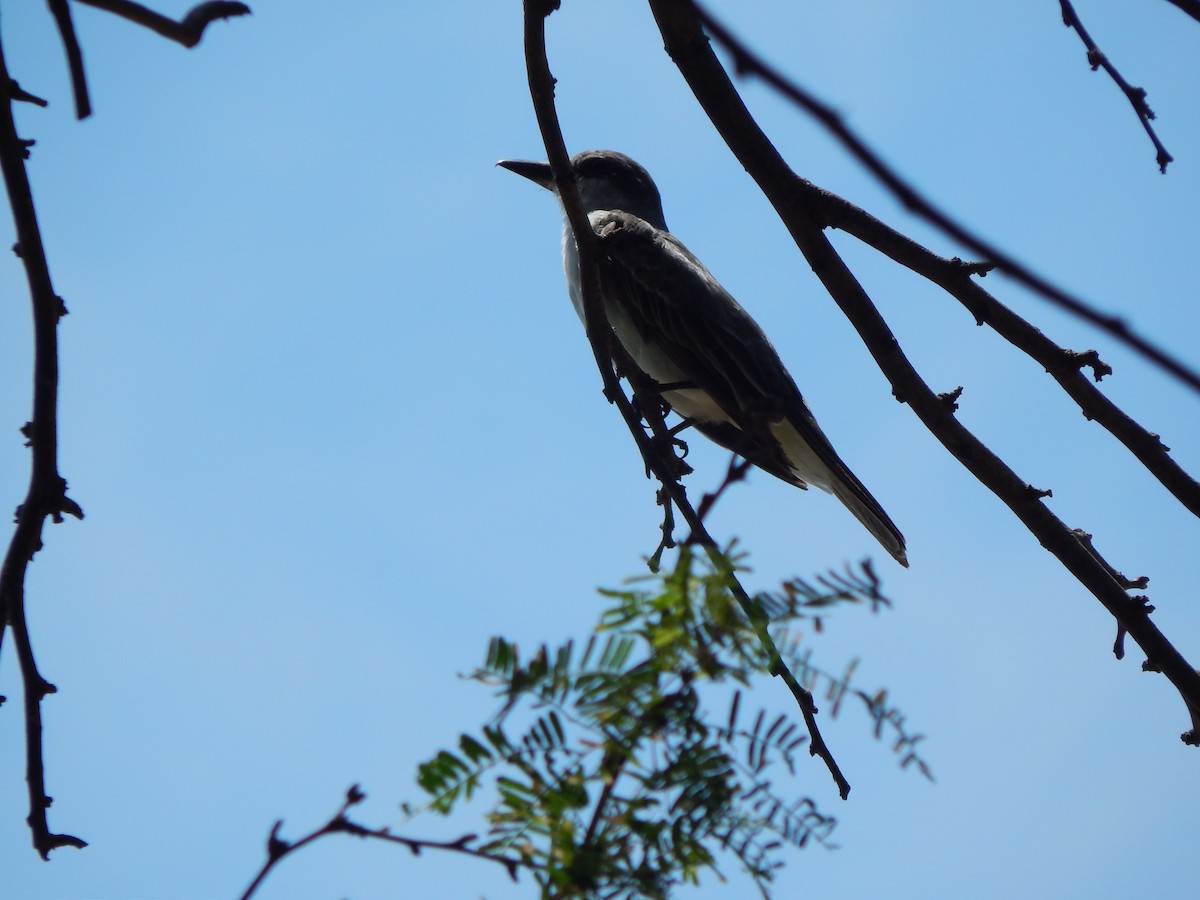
[(1191, 7), (735, 472), (278, 848), (187, 31), (66, 29), (46, 497), (47, 493), (20, 95), (1136, 96), (746, 62), (685, 41), (655, 451), (1064, 366)]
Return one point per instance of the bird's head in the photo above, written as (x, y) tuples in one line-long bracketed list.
[(607, 180)]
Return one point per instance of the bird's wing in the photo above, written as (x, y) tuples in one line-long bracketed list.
[(676, 305)]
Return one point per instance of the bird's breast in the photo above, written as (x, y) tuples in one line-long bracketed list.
[(691, 403)]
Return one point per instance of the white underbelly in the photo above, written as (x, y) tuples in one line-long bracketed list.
[(691, 403)]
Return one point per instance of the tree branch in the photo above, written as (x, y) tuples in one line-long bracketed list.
[(655, 450), (66, 29), (1136, 96), (745, 62), (47, 493), (1064, 366), (278, 848), (187, 31), (46, 496), (1190, 7), (680, 24)]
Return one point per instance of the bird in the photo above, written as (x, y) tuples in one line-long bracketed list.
[(716, 366)]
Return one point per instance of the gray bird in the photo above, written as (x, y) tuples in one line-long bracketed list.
[(686, 332)]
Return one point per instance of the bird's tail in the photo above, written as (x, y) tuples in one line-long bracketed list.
[(871, 514), (827, 472)]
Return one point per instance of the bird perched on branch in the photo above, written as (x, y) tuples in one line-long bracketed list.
[(686, 332)]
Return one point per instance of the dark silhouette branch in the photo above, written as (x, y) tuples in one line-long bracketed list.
[(187, 31), (656, 449), (278, 848), (685, 41), (735, 472), (1136, 96), (747, 63), (19, 94), (1063, 365), (66, 30), (46, 496), (1191, 7)]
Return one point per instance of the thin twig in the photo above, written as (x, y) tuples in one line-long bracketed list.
[(688, 46), (746, 62), (23, 96), (735, 472), (66, 29), (46, 497), (186, 31), (1136, 96), (655, 450), (278, 848)]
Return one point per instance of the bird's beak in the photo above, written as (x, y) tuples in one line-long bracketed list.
[(537, 172)]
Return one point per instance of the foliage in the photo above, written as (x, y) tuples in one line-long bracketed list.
[(618, 781)]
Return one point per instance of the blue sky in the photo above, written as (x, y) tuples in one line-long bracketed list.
[(334, 424)]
